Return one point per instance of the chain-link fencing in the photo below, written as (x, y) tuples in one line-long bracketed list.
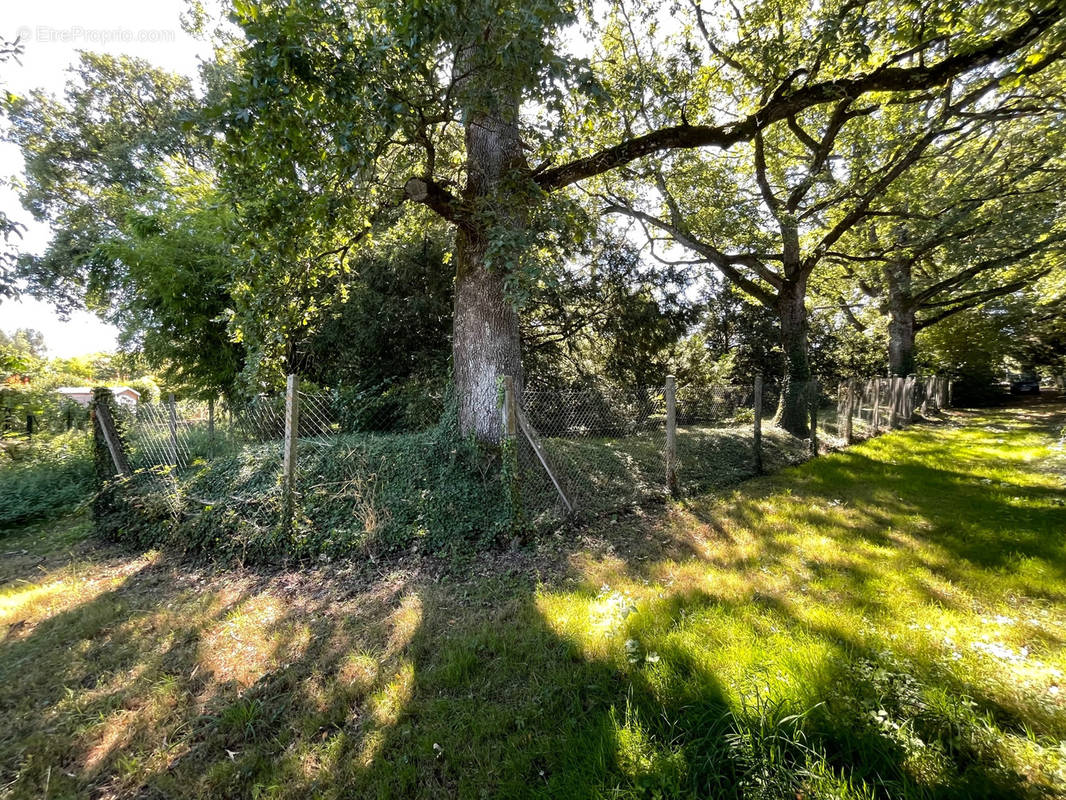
[(865, 407), (587, 451), (343, 467)]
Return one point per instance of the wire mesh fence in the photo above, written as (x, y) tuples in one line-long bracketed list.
[(593, 450), (865, 407), (346, 466), (590, 450)]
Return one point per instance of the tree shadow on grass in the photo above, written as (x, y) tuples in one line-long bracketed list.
[(173, 685), (713, 669)]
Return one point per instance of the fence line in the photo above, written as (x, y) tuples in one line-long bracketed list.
[(583, 451), (865, 407)]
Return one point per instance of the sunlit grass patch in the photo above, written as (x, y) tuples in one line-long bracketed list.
[(887, 621)]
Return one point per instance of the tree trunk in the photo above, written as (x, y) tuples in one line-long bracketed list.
[(901, 323), (901, 341), (486, 342), (793, 408)]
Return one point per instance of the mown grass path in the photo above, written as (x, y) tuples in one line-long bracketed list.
[(887, 621)]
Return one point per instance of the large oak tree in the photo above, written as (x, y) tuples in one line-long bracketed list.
[(482, 112)]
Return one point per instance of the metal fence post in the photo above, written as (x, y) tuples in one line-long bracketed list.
[(172, 424), (812, 388), (670, 392), (757, 430), (292, 430)]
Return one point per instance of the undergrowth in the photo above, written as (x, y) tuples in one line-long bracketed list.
[(885, 622), (44, 477), (365, 493)]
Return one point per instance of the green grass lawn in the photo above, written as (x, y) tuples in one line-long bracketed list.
[(888, 621)]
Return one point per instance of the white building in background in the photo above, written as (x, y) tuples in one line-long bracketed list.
[(83, 394)]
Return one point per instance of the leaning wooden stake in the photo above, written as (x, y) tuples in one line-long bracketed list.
[(670, 393), (757, 431), (542, 456), (106, 425), (292, 429)]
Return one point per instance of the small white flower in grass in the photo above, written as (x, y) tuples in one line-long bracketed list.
[(652, 658), (1001, 651), (632, 651), (438, 750)]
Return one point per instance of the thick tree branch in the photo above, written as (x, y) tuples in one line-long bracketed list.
[(436, 197), (925, 297), (885, 78), (725, 263), (975, 299)]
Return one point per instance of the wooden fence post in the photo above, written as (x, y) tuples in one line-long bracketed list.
[(849, 404), (875, 415), (893, 402), (510, 418), (812, 388), (292, 432), (101, 415), (908, 395), (757, 431), (670, 392), (172, 425), (861, 399)]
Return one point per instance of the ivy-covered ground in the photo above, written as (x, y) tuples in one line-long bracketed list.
[(888, 621), (370, 495)]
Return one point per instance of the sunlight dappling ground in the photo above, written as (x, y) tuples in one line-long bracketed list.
[(885, 621)]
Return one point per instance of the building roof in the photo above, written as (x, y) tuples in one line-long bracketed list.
[(89, 390)]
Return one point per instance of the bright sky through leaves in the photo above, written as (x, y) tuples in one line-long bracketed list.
[(52, 32)]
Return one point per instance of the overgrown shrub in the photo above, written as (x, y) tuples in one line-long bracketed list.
[(44, 476), (412, 405), (364, 492)]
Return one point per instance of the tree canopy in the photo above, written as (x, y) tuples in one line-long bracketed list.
[(376, 195)]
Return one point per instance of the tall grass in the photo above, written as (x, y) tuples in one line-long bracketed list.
[(44, 476)]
